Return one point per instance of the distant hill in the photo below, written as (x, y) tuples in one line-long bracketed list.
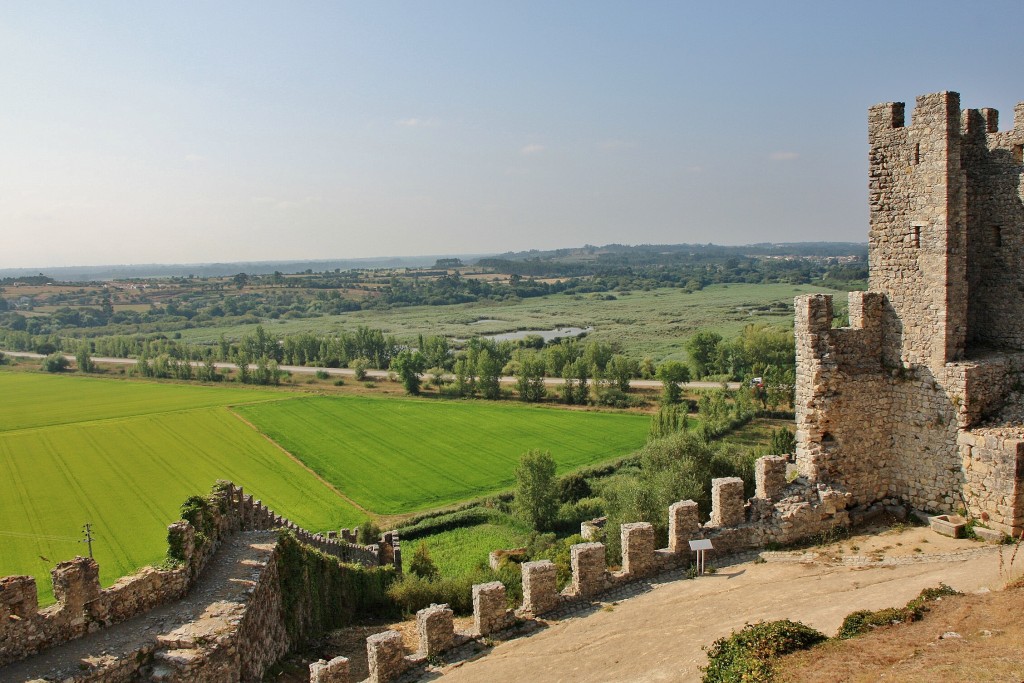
[(607, 255)]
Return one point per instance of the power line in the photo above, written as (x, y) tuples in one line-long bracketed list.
[(45, 537)]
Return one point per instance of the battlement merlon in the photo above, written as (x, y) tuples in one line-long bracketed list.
[(858, 345), (1018, 117), (979, 121), (814, 312), (939, 112)]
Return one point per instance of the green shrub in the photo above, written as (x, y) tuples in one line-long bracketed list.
[(359, 366), (747, 655), (369, 532), (421, 565), (536, 500), (429, 526), (322, 374), (573, 487), (55, 362), (862, 621)]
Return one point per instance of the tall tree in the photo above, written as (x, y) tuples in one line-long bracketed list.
[(536, 496), (671, 373), (409, 364)]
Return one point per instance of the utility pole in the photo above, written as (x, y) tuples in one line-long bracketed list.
[(87, 530)]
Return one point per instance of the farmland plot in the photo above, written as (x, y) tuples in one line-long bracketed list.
[(396, 456)]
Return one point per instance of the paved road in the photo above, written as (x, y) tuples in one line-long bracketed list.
[(374, 374)]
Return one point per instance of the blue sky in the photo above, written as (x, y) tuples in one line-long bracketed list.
[(185, 132)]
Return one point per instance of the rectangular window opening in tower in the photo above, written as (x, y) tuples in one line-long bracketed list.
[(997, 235), (1018, 154), (917, 153), (915, 236)]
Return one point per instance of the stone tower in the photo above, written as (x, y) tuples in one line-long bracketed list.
[(917, 399)]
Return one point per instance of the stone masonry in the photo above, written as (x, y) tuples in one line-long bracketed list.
[(914, 401), (436, 628)]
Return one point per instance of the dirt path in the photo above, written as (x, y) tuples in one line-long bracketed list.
[(226, 579), (659, 634)]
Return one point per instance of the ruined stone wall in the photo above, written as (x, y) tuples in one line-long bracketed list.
[(933, 348), (994, 169), (83, 606), (843, 410), (993, 466)]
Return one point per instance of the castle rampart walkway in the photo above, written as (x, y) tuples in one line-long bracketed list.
[(655, 631), (223, 584)]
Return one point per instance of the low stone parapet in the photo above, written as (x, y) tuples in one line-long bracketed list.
[(436, 628), (333, 671), (540, 587), (385, 656), (588, 569), (637, 549), (490, 608), (727, 502)]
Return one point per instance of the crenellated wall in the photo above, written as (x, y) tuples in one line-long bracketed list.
[(83, 606), (780, 512), (934, 348)]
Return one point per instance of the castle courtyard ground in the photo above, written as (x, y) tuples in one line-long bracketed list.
[(658, 635)]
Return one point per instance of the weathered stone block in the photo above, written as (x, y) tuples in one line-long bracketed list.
[(333, 671), (540, 586), (727, 502), (637, 549), (385, 656), (436, 628), (76, 582), (683, 525), (490, 611), (19, 597), (769, 476), (588, 568)]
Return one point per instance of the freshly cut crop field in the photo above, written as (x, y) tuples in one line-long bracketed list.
[(29, 399), (395, 456), (129, 476)]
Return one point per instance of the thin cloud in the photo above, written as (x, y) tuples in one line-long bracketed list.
[(194, 158), (783, 156), (531, 149)]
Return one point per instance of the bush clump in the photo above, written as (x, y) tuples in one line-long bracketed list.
[(748, 654), (455, 520), (864, 620)]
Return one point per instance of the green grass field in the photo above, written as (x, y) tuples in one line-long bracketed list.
[(458, 551), (38, 400), (128, 476), (395, 456), (655, 323), (123, 455)]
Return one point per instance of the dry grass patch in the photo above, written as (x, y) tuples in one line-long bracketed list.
[(986, 646)]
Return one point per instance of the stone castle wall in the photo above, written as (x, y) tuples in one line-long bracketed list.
[(83, 606), (933, 349)]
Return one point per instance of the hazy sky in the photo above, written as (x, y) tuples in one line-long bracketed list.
[(220, 131)]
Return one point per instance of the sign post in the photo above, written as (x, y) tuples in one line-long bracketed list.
[(699, 546)]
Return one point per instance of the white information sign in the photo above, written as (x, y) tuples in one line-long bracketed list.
[(700, 546)]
